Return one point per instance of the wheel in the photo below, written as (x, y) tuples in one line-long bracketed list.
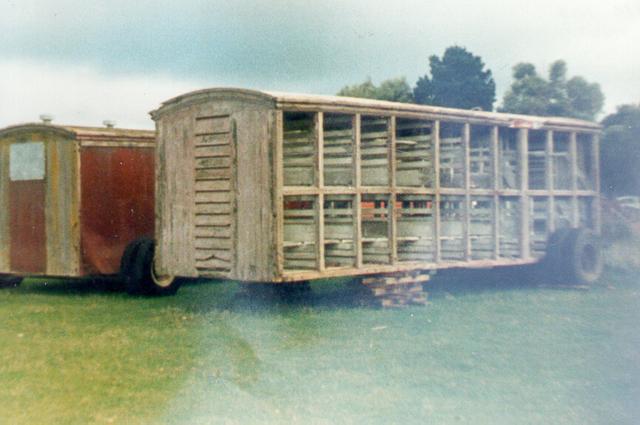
[(10, 281), (138, 271), (573, 256), (583, 255)]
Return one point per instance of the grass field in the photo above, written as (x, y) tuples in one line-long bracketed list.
[(488, 349)]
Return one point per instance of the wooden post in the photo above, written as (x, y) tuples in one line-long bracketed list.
[(358, 184), (436, 203), (597, 211), (523, 148), (278, 195), (573, 154), (466, 142), (495, 160), (550, 165), (319, 142), (392, 196)]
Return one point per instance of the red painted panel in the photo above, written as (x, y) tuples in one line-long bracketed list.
[(117, 203), (28, 250)]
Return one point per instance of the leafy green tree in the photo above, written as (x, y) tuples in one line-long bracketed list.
[(394, 89), (458, 80), (620, 151), (532, 94)]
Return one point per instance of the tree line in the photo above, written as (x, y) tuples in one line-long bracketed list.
[(460, 79)]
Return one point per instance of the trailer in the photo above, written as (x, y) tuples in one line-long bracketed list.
[(282, 188), (72, 198)]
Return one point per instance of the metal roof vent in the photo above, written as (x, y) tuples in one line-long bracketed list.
[(46, 118), (109, 123)]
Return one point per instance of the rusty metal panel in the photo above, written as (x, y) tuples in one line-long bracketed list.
[(4, 212), (62, 199), (117, 203), (27, 226)]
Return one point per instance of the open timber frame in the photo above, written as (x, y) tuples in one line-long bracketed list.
[(277, 187)]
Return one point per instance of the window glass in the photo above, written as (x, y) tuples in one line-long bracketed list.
[(26, 161)]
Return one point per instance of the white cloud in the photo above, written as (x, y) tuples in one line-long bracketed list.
[(80, 95)]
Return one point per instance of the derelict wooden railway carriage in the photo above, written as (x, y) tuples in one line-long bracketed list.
[(275, 187), (72, 198)]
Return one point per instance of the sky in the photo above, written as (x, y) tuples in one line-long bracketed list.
[(86, 61)]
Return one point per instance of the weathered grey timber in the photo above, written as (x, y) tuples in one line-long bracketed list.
[(276, 187)]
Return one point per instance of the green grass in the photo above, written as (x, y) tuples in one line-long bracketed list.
[(488, 349)]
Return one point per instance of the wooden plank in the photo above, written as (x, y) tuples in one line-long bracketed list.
[(62, 203), (212, 151), (212, 124), (4, 212), (597, 211), (206, 254), (357, 166), (573, 158), (174, 214), (117, 144), (495, 155), (319, 172), (212, 197), (436, 167), (278, 197), (213, 264), (206, 232), (392, 181), (213, 174), (550, 182), (212, 163), (214, 139), (213, 208), (212, 185), (466, 141), (523, 148), (214, 243), (213, 220)]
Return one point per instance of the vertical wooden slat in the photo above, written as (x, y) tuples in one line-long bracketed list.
[(597, 211), (4, 212), (175, 186), (319, 148), (573, 154), (466, 141), (392, 197), (523, 148), (495, 161), (236, 193), (358, 184), (436, 204), (278, 196), (550, 177), (62, 208)]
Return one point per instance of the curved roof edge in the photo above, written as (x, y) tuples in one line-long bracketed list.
[(296, 99), (81, 132), (204, 94), (37, 127)]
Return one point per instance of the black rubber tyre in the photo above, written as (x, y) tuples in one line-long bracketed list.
[(137, 266), (553, 264), (573, 257), (10, 281), (126, 262), (583, 257)]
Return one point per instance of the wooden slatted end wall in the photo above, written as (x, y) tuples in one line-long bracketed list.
[(214, 195)]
